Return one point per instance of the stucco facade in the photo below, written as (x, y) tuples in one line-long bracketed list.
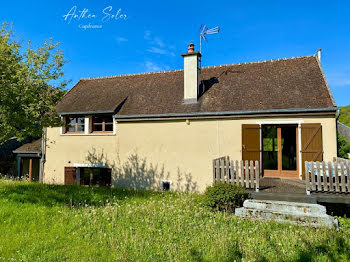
[(143, 153)]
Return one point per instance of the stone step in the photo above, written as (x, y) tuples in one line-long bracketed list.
[(284, 206), (280, 211)]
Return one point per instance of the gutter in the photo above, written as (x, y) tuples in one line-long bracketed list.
[(87, 112), (231, 113), (28, 153), (43, 155)]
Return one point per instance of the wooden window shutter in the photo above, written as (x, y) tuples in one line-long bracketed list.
[(311, 143), (69, 175), (251, 142)]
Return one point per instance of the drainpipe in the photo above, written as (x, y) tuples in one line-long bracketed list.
[(218, 137), (336, 127), (43, 154)]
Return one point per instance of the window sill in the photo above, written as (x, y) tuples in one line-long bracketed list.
[(90, 134)]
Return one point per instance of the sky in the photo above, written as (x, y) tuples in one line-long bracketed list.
[(109, 37)]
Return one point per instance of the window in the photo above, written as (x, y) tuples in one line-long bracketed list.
[(102, 124), (90, 176), (75, 124)]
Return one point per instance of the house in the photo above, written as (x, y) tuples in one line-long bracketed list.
[(163, 129)]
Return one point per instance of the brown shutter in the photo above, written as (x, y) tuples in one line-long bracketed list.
[(251, 142), (311, 143), (69, 175)]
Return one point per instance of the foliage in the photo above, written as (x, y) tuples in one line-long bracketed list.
[(225, 196), (69, 223), (30, 86), (343, 147), (344, 116)]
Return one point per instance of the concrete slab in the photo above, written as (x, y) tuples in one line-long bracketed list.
[(292, 212)]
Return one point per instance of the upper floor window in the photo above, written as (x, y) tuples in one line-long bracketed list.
[(75, 124), (102, 123)]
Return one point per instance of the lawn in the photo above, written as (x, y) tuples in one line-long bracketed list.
[(69, 223)]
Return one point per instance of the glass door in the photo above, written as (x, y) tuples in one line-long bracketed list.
[(270, 150), (289, 151), (279, 150)]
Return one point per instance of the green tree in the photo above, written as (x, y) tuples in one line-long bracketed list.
[(343, 147), (30, 86), (344, 116)]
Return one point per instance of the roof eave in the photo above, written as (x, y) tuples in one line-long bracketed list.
[(87, 112), (230, 113), (34, 153)]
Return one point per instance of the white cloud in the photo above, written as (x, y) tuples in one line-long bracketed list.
[(160, 51), (157, 45), (158, 42), (147, 35), (121, 39), (151, 66), (339, 79)]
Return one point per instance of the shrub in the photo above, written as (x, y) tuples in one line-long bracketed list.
[(343, 147), (225, 196)]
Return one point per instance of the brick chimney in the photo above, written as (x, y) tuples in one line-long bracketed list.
[(191, 71)]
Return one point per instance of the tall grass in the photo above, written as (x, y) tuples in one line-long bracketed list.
[(68, 223)]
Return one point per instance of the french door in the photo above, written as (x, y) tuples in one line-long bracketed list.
[(280, 151)]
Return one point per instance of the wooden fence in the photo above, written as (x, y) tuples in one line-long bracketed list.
[(327, 177), (243, 173), (343, 160)]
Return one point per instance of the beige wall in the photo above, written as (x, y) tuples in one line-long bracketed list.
[(168, 150)]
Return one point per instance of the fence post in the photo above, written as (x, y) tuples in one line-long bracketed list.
[(246, 167), (251, 175), (318, 176), (242, 173), (313, 182), (342, 176), (336, 176), (307, 178), (330, 175), (227, 178), (232, 181), (257, 176), (324, 172)]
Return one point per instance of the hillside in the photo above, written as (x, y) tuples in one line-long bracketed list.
[(345, 115)]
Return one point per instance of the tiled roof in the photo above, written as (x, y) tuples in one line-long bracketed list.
[(291, 83), (34, 146)]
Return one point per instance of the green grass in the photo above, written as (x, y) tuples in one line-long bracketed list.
[(68, 223), (344, 116)]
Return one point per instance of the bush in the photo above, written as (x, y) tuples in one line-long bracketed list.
[(225, 196), (343, 147)]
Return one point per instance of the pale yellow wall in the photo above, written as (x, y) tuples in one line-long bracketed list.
[(65, 150), (177, 151)]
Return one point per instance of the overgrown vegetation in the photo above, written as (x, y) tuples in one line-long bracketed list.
[(69, 223), (344, 116), (225, 197), (343, 147)]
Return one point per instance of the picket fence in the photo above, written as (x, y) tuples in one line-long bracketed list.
[(327, 176), (242, 173)]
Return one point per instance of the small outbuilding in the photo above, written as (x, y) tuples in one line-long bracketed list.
[(29, 160)]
